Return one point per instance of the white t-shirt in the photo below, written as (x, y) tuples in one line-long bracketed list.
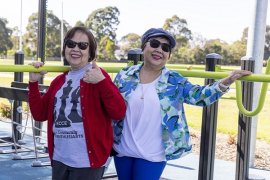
[(69, 137)]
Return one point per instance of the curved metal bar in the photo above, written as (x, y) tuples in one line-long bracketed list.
[(260, 102), (261, 98)]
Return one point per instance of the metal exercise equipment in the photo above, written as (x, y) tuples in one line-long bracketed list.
[(19, 94), (17, 147), (188, 73)]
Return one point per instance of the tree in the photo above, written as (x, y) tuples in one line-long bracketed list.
[(267, 41), (178, 28), (197, 40), (79, 23), (244, 35), (30, 37), (213, 46), (220, 47), (198, 55), (106, 49), (127, 42), (5, 36), (183, 55), (15, 38), (103, 22), (237, 51), (53, 35)]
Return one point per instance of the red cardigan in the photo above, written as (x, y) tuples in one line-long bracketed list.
[(100, 103)]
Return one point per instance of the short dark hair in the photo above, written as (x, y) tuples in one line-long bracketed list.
[(91, 39)]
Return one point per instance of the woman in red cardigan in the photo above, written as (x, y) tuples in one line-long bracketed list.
[(79, 106)]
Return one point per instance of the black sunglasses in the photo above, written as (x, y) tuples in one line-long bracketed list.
[(156, 43), (72, 44)]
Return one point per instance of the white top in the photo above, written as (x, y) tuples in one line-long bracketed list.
[(142, 126)]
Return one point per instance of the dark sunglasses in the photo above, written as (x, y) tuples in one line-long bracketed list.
[(72, 44), (156, 43)]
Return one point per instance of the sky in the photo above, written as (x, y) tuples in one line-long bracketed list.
[(223, 19)]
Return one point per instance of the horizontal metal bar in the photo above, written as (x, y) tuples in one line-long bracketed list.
[(221, 75), (29, 68), (186, 73), (14, 94)]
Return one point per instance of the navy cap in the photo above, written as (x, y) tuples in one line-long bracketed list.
[(158, 32)]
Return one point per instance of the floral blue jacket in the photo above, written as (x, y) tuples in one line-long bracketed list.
[(173, 90)]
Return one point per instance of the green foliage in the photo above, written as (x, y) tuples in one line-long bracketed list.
[(28, 52), (5, 110), (30, 37), (267, 41), (11, 52), (5, 37), (79, 23), (237, 51), (191, 48), (103, 22), (182, 55), (15, 38), (106, 49), (219, 47), (198, 55), (178, 28), (127, 42), (53, 38)]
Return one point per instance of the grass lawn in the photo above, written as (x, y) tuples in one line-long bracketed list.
[(227, 116)]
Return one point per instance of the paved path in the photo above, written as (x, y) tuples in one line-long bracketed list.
[(185, 168)]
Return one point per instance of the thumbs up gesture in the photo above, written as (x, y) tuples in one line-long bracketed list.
[(93, 75)]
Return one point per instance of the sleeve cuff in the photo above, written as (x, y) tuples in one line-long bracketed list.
[(222, 88)]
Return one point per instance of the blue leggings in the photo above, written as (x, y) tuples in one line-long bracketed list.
[(129, 168)]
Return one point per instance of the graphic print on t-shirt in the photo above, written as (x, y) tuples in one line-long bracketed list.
[(69, 98), (68, 129), (74, 116)]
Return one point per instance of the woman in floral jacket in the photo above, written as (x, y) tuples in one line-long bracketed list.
[(155, 128)]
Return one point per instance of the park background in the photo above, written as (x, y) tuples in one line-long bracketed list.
[(191, 50)]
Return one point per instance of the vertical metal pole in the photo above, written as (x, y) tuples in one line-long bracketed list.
[(135, 54), (255, 49), (244, 125), (17, 106), (209, 126), (41, 30), (42, 26)]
